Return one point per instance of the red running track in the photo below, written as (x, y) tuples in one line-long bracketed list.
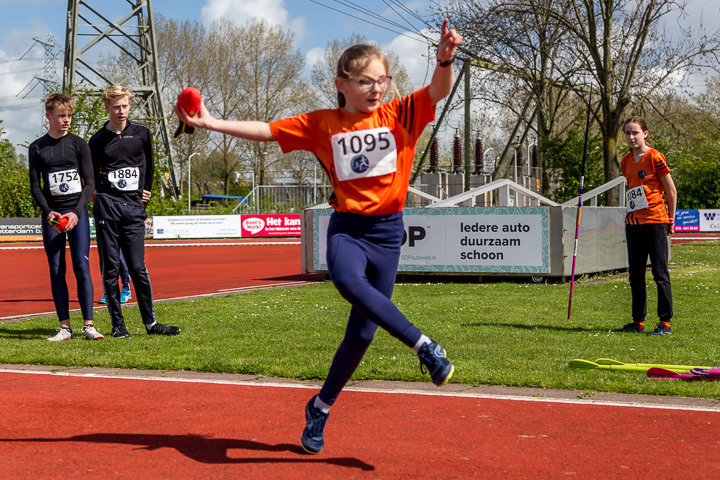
[(59, 426), (177, 269)]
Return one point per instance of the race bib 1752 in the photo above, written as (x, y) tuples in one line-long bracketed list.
[(125, 179), (364, 153), (65, 182)]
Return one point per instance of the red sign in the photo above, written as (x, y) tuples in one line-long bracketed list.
[(270, 225)]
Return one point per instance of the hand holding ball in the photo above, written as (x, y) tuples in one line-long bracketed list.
[(190, 101), (61, 222)]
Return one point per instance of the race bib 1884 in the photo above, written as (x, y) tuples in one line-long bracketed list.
[(364, 153), (64, 182), (636, 199), (125, 179)]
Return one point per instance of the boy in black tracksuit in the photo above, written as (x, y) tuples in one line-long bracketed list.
[(61, 182), (123, 165)]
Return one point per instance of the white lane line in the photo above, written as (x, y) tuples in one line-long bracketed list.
[(206, 244), (251, 287), (409, 391)]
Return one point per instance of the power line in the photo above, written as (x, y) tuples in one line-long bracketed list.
[(384, 27)]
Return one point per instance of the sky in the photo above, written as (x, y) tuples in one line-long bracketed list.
[(314, 22)]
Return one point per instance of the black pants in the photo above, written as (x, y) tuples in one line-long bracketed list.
[(120, 227), (643, 241)]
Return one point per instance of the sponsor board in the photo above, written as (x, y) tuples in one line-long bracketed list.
[(270, 225), (20, 229), (196, 226), (463, 240), (709, 220), (687, 221)]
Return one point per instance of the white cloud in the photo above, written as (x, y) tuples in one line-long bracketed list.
[(414, 56), (22, 117), (272, 11)]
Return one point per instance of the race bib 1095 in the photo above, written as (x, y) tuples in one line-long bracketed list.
[(364, 153)]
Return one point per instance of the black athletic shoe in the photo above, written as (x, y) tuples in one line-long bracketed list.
[(660, 329), (160, 329), (312, 437), (631, 328), (120, 332), (432, 357)]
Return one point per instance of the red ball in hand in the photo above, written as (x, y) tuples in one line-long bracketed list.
[(189, 100), (61, 222)]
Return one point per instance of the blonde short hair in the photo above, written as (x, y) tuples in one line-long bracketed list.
[(114, 92), (55, 100)]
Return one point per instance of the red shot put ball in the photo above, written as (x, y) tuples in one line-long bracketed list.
[(189, 100), (62, 223)]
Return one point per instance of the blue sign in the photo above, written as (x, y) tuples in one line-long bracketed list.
[(687, 221)]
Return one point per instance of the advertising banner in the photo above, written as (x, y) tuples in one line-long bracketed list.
[(463, 240), (687, 221), (271, 225), (196, 226), (709, 220), (20, 229)]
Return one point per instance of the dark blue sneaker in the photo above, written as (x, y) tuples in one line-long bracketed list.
[(631, 328), (432, 357), (660, 329), (312, 437)]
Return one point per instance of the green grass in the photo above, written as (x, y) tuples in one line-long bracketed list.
[(504, 333)]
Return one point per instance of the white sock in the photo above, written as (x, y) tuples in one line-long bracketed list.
[(423, 340), (322, 406), (149, 326)]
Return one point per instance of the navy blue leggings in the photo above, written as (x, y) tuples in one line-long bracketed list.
[(79, 240), (362, 256)]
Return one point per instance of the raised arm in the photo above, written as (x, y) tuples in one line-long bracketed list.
[(442, 79), (249, 130)]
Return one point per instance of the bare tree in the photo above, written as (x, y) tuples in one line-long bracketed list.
[(323, 72), (243, 72), (181, 52), (519, 65), (620, 46), (630, 56), (272, 87)]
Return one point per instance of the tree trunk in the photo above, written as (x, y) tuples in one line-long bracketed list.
[(612, 167)]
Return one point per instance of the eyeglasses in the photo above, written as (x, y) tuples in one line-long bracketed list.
[(367, 84)]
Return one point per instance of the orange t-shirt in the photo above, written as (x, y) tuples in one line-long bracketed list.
[(644, 177), (368, 157)]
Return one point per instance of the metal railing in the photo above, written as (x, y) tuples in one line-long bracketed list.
[(272, 199), (592, 195)]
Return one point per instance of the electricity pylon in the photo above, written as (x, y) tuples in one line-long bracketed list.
[(131, 40)]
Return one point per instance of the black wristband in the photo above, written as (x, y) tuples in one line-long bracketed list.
[(446, 63)]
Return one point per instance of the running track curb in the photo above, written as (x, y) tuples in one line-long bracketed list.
[(577, 397)]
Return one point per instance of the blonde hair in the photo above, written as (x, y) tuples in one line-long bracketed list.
[(114, 92), (354, 60), (55, 100)]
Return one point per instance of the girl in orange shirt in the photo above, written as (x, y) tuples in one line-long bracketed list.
[(647, 225), (366, 148)]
